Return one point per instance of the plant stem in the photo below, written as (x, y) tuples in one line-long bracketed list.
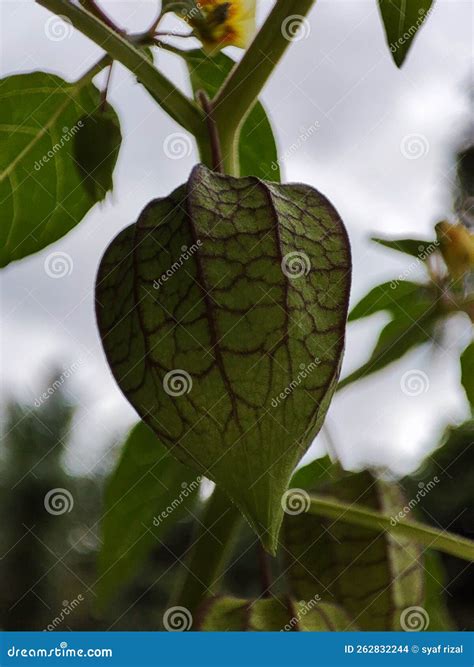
[(183, 110), (415, 530), (242, 87), (217, 531), (216, 153)]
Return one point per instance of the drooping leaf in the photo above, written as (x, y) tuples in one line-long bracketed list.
[(223, 614), (147, 493), (222, 314), (96, 147), (42, 192), (414, 247), (371, 574), (413, 324), (467, 373), (257, 148), (402, 19)]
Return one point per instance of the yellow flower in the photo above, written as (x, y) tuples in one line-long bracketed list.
[(457, 248), (218, 23)]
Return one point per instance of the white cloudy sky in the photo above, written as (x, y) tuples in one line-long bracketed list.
[(341, 79)]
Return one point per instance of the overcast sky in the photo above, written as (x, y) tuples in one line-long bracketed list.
[(337, 97)]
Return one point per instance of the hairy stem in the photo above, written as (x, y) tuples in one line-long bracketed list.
[(242, 87), (183, 110), (428, 536)]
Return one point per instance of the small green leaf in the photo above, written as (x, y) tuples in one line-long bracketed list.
[(414, 247), (223, 614), (372, 575), (96, 148), (402, 19), (392, 296), (42, 192), (467, 373), (257, 149), (311, 475), (146, 494), (222, 314), (413, 324)]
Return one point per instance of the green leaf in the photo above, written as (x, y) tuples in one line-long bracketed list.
[(413, 324), (223, 614), (146, 494), (414, 247), (222, 314), (394, 297), (96, 148), (371, 574), (42, 191), (402, 19), (311, 475), (467, 373), (257, 149), (435, 599)]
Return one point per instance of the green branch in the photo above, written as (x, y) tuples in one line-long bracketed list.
[(183, 110), (242, 87), (428, 536)]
